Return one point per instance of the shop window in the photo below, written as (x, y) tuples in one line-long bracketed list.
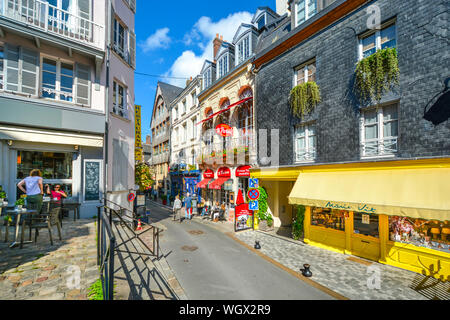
[(366, 224), (52, 165), (432, 234), (328, 218)]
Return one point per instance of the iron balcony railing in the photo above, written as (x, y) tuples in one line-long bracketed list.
[(45, 17), (379, 147), (306, 155)]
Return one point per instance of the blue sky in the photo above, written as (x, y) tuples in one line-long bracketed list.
[(174, 38)]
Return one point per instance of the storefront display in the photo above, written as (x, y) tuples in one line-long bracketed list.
[(432, 234), (328, 218), (52, 165)]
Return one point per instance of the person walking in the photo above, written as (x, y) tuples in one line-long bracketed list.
[(34, 189), (188, 206), (177, 205)]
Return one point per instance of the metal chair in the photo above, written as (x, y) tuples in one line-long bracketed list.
[(47, 221)]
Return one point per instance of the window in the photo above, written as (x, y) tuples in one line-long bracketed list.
[(305, 10), (2, 57), (183, 110), (223, 66), (379, 131), (207, 78), (305, 143), (261, 22), (120, 100), (194, 128), (184, 133), (305, 73), (365, 224), (328, 218), (194, 98), (243, 49), (381, 39), (57, 80), (432, 234), (119, 38)]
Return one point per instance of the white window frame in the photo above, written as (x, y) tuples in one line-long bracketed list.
[(264, 15), (380, 140), (223, 64), (2, 66), (241, 50), (207, 78), (305, 67), (123, 52), (307, 13), (310, 152), (57, 90), (194, 128), (184, 106), (116, 85), (377, 34)]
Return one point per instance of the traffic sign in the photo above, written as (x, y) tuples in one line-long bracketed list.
[(253, 194), (253, 183), (131, 197), (253, 205)]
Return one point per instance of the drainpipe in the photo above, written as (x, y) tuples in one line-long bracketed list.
[(108, 47)]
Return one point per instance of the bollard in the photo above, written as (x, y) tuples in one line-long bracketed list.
[(306, 272), (257, 245)]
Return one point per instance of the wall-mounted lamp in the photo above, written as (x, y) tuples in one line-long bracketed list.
[(10, 143), (77, 148)]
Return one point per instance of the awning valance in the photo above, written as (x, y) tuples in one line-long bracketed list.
[(417, 193), (217, 184), (203, 184)]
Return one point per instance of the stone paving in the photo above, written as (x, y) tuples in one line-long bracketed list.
[(40, 271), (346, 277)]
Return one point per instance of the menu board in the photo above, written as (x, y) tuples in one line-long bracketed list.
[(92, 181)]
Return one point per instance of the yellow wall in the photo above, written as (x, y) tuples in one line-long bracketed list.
[(278, 202)]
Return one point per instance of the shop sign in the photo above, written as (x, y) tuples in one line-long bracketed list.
[(361, 208), (243, 218), (224, 173), (137, 137), (243, 172), (208, 174), (224, 130)]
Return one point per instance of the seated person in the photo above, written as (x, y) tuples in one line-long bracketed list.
[(56, 194), (216, 211)]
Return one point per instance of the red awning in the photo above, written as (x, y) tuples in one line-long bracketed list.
[(218, 183), (226, 109), (202, 184)]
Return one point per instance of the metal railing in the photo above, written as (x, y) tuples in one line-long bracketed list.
[(378, 147), (107, 245), (44, 16)]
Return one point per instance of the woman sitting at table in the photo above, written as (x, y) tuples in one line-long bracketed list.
[(56, 194)]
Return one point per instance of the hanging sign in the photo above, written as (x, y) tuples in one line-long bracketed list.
[(224, 130), (208, 174), (224, 172), (243, 172), (137, 136)]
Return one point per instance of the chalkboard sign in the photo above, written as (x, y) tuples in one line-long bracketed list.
[(92, 181)]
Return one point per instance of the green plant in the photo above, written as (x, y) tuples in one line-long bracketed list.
[(143, 176), (20, 202), (163, 197), (2, 194), (297, 226), (304, 98), (192, 167), (96, 291), (377, 74)]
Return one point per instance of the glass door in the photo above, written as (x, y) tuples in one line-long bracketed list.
[(366, 236)]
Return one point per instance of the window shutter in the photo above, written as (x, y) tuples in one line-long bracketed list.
[(29, 71), (124, 165), (132, 46), (83, 79), (133, 5), (12, 67), (120, 165), (113, 23)]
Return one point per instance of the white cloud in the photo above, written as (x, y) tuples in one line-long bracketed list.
[(201, 36), (159, 39)]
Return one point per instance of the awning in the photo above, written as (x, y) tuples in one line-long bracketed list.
[(226, 109), (416, 193), (217, 184), (202, 184)]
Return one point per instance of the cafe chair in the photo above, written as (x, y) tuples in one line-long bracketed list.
[(47, 221)]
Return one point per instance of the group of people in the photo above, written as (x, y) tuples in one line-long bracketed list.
[(215, 211), (33, 187), (178, 206)]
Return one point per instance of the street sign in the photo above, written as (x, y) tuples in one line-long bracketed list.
[(131, 197), (253, 183), (253, 205), (253, 194)]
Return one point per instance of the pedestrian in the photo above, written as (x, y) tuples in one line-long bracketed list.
[(34, 189), (177, 205), (188, 206)]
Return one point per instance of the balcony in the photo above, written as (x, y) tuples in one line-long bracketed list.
[(379, 147), (44, 17), (237, 151)]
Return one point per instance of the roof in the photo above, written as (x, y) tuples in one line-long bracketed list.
[(273, 32), (169, 91)]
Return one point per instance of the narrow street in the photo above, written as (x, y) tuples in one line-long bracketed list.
[(211, 266)]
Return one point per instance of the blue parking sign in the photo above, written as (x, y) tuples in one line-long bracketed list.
[(253, 205), (253, 183)]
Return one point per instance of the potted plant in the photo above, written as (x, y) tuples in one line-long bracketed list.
[(20, 203), (2, 196)]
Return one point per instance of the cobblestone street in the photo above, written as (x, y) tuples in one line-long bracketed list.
[(44, 272), (346, 274)]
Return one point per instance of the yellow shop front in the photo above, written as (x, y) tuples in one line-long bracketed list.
[(393, 212)]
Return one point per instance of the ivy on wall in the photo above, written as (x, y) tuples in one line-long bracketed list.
[(304, 98), (377, 74)]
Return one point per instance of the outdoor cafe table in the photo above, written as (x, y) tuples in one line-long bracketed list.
[(18, 215), (72, 205)]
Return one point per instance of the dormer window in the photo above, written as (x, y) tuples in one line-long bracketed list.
[(305, 9), (207, 78), (222, 66), (243, 49), (261, 22)]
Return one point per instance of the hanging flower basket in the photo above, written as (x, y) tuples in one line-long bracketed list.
[(304, 98)]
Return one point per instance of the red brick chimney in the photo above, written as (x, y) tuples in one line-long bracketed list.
[(148, 140), (217, 43)]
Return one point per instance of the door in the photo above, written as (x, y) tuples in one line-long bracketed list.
[(365, 236)]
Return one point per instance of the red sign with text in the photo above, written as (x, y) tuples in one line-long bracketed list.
[(243, 172), (224, 173), (208, 174), (224, 130)]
